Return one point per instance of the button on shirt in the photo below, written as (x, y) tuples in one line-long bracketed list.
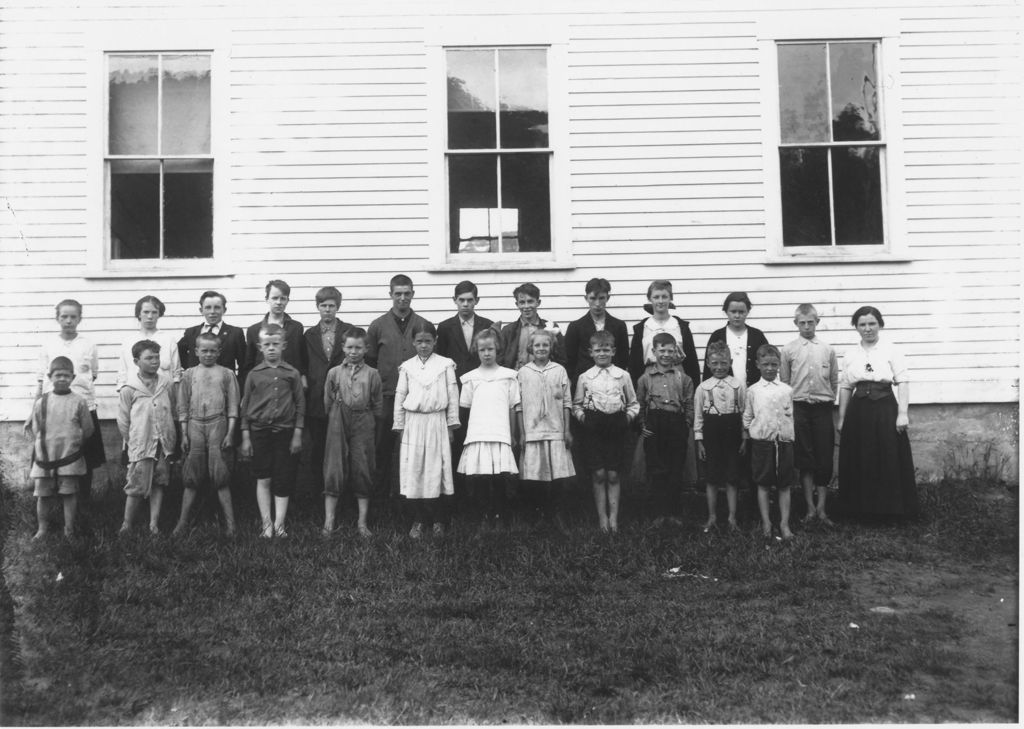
[(768, 412), (715, 396), (880, 363), (811, 368), (273, 398)]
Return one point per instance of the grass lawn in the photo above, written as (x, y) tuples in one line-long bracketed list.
[(524, 627)]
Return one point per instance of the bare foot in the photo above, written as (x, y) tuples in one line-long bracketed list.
[(733, 525), (709, 525), (786, 533), (153, 530), (826, 521), (40, 534), (69, 533), (364, 531), (124, 530), (180, 529), (268, 531)]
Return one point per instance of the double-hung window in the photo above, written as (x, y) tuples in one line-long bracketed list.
[(158, 161), (832, 145), (498, 154)]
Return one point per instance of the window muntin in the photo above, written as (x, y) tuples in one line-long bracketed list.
[(498, 153), (832, 144), (159, 167)]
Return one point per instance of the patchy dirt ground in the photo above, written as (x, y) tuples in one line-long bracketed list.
[(985, 658)]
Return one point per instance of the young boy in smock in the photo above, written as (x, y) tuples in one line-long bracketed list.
[(208, 413), (354, 402), (61, 426), (145, 418)]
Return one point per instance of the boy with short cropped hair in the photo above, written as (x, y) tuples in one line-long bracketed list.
[(605, 404), (353, 400), (514, 339), (82, 352), (61, 426), (145, 418), (811, 368), (665, 394), (768, 431), (273, 413), (577, 335), (208, 413)]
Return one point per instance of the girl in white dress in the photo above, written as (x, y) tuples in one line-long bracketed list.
[(543, 419), (426, 416), (491, 393)]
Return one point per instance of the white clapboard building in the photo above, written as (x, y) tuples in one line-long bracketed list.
[(839, 152)]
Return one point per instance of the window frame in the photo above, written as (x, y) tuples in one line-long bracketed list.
[(171, 38), (505, 32), (825, 27)]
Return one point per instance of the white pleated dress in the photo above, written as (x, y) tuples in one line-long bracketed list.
[(426, 404), (490, 394)]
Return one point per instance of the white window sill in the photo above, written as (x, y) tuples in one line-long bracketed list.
[(483, 264), (190, 269), (836, 257)]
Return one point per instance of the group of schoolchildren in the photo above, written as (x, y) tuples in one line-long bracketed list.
[(469, 403)]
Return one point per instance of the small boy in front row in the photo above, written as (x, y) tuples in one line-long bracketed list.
[(354, 403), (61, 425), (605, 404), (665, 394), (810, 367), (768, 429), (273, 412), (208, 413), (145, 418)]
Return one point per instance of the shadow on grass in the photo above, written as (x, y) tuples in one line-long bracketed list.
[(526, 627)]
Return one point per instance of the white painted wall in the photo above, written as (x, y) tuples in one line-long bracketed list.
[(323, 135)]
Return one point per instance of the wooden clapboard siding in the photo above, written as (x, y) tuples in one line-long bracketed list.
[(328, 174)]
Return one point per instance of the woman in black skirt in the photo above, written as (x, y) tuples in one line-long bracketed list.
[(876, 469)]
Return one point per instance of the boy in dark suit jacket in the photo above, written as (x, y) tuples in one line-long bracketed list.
[(212, 305), (514, 338), (324, 342), (577, 335), (455, 335)]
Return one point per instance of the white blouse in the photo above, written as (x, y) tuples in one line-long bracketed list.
[(880, 363), (170, 364), (652, 327)]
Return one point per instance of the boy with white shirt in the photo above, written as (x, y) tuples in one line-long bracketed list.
[(768, 429)]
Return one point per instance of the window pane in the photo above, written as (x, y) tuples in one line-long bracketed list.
[(473, 204), (854, 91), (805, 207), (134, 209), (472, 123), (523, 84), (188, 209), (132, 83), (526, 189), (857, 192), (803, 93), (186, 105)]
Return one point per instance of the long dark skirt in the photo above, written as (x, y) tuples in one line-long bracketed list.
[(876, 468)]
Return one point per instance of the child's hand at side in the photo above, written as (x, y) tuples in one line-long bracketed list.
[(295, 447), (743, 445), (245, 450), (184, 439), (568, 439), (645, 432), (451, 433), (701, 453)]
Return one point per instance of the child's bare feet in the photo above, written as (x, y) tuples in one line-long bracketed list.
[(826, 521), (125, 529), (180, 529), (69, 533), (417, 531), (280, 531), (810, 518), (268, 531), (709, 525), (786, 533), (153, 530), (41, 534), (733, 525), (364, 531), (438, 529)]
